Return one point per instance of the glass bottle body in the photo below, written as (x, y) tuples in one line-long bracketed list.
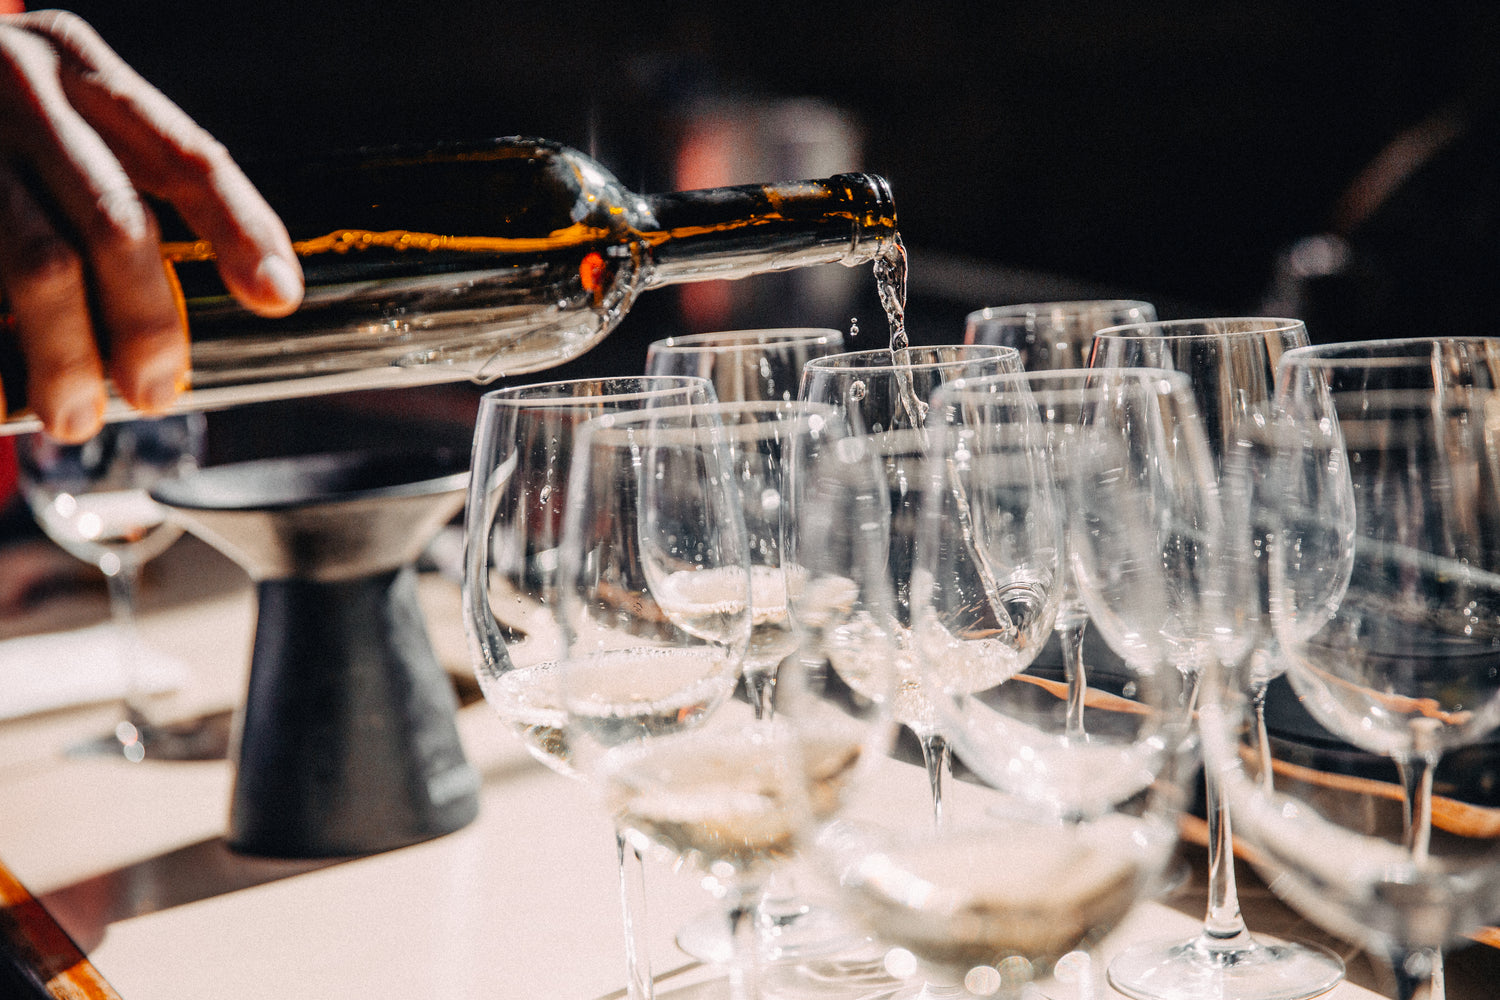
[(478, 261)]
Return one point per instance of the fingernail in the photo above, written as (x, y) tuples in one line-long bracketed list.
[(81, 418), (281, 278), (159, 393), (157, 382)]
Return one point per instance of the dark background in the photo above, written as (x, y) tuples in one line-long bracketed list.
[(1170, 150)]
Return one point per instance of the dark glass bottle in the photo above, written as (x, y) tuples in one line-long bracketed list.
[(482, 260)]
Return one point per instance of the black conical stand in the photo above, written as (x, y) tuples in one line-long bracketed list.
[(347, 742)]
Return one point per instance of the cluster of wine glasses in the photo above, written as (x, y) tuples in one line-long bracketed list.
[(790, 609), (1230, 365), (1368, 804)]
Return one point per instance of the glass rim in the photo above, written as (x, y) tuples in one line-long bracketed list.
[(846, 361), (1023, 310), (1191, 329), (1399, 352), (615, 430), (773, 406), (976, 385), (520, 395), (750, 337)]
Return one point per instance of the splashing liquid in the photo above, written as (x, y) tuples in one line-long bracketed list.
[(890, 285), (1013, 604)]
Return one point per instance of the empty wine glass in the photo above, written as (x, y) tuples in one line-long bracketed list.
[(1053, 406), (1230, 365), (988, 575), (1055, 336), (888, 401), (655, 608), (1402, 674), (1253, 475), (93, 500), (522, 455), (759, 364), (1049, 839)]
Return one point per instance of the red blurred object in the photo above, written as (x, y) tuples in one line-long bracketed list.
[(7, 467), (7, 447)]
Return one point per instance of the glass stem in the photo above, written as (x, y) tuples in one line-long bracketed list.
[(1416, 782), (123, 584), (1419, 974), (744, 937), (1262, 736), (638, 984), (937, 756), (779, 902), (1223, 921), (1070, 639), (760, 684)]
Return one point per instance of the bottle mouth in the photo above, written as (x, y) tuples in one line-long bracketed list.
[(878, 193), (874, 212)]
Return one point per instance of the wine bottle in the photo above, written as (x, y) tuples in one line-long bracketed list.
[(475, 261)]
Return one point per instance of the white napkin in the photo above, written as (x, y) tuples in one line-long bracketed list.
[(40, 673)]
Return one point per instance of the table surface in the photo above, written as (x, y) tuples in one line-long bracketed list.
[(130, 858)]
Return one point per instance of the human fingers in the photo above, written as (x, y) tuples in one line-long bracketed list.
[(42, 277), (67, 174), (169, 155)]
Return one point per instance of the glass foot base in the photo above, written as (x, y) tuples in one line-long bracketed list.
[(789, 935), (1206, 969), (858, 973), (203, 738)]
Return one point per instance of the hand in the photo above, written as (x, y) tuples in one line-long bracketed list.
[(82, 135)]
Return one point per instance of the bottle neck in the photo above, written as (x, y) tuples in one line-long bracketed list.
[(733, 232)]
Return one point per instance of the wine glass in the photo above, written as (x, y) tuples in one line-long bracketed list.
[(1053, 406), (92, 499), (519, 473), (887, 401), (762, 443), (1049, 839), (755, 365), (759, 364), (840, 603), (1230, 365), (988, 576), (1253, 477), (1402, 673), (1054, 336), (655, 609)]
